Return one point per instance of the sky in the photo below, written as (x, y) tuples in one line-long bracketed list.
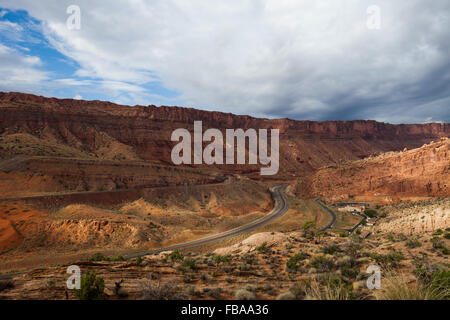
[(385, 60)]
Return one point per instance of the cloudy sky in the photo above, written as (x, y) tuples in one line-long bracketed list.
[(386, 60)]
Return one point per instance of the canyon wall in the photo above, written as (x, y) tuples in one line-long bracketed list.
[(108, 131), (423, 171)]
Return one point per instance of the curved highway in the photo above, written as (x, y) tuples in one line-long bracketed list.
[(331, 212), (280, 208)]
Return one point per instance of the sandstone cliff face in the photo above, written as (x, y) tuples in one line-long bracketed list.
[(420, 172), (108, 131), (417, 218)]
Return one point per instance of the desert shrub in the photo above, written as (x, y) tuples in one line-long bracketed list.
[(371, 213), (190, 263), (438, 232), (300, 288), (221, 259), (215, 293), (295, 262), (248, 258), (331, 249), (447, 235), (262, 248), (396, 287), (309, 229), (243, 294), (440, 283), (152, 290), (98, 257), (6, 284), (50, 283), (91, 287), (349, 272), (439, 245), (328, 292), (175, 256), (412, 243), (139, 260), (322, 264), (391, 259), (244, 267), (115, 258)]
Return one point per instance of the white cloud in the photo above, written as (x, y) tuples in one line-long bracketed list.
[(19, 72), (78, 97), (303, 59)]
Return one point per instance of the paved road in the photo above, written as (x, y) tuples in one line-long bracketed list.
[(331, 212), (280, 208), (333, 215)]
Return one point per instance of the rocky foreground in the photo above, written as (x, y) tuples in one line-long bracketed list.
[(295, 265)]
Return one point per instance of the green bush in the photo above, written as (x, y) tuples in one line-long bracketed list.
[(190, 263), (371, 213), (175, 255), (331, 249), (322, 264), (391, 259), (441, 283), (262, 248), (294, 262), (439, 245), (412, 243), (98, 257), (91, 288), (221, 259)]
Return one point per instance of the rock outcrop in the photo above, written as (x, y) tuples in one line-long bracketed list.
[(419, 172)]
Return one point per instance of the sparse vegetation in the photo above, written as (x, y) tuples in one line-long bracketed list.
[(262, 248), (371, 213), (175, 256), (102, 257), (190, 263), (331, 249), (438, 244), (396, 287), (91, 288), (218, 259), (413, 243), (244, 294), (295, 262), (322, 263), (152, 290), (391, 259), (330, 291)]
